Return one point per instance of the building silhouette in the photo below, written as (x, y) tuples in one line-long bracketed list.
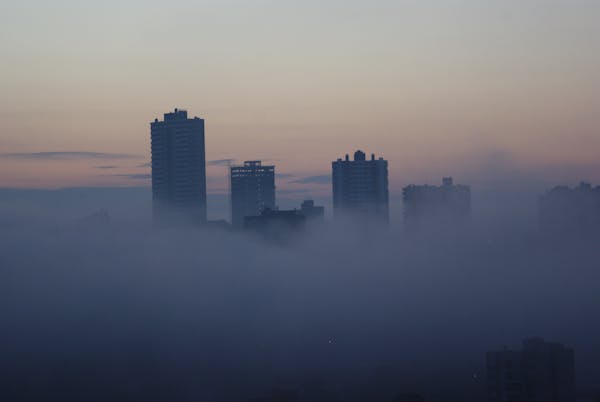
[(268, 217), (539, 372), (446, 206), (566, 210), (311, 212), (252, 190), (360, 187), (275, 224), (178, 168)]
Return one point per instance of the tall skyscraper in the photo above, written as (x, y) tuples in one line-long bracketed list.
[(252, 190), (360, 187), (540, 372), (178, 169), (436, 207)]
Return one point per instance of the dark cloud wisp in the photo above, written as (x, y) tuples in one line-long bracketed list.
[(66, 155), (321, 179), (220, 162), (135, 176)]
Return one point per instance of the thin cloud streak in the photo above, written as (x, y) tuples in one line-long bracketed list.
[(220, 162), (322, 179), (135, 176), (66, 155)]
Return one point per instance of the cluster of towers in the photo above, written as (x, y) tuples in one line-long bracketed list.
[(360, 189), (360, 185)]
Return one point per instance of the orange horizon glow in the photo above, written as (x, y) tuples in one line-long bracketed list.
[(470, 89)]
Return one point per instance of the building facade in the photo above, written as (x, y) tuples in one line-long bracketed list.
[(178, 169), (360, 187), (252, 190), (539, 372), (436, 207)]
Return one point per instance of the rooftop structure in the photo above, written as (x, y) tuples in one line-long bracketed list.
[(312, 212)]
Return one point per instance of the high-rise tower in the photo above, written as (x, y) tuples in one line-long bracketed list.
[(360, 187), (178, 169)]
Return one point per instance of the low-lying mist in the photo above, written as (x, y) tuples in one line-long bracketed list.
[(122, 311)]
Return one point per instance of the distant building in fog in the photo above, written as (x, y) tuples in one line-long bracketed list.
[(424, 205), (539, 372), (178, 168), (275, 223), (312, 212), (566, 209), (252, 190), (360, 187)]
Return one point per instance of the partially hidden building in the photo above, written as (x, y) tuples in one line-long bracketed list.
[(436, 207), (275, 222), (252, 190), (570, 209), (539, 372), (360, 187), (312, 212)]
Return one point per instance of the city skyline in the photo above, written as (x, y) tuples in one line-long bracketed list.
[(302, 201), (495, 91)]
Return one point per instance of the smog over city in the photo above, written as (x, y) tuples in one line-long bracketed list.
[(300, 201)]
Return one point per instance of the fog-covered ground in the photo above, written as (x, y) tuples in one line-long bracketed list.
[(121, 311)]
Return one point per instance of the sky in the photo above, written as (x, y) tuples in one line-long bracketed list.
[(481, 90)]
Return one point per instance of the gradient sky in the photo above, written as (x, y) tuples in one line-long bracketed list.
[(479, 89)]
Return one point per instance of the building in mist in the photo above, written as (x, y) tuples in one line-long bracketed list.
[(252, 190), (275, 224), (178, 168), (360, 187), (566, 210), (447, 205), (312, 212), (539, 372)]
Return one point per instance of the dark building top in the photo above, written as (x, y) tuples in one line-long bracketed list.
[(276, 224), (177, 114), (311, 211)]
